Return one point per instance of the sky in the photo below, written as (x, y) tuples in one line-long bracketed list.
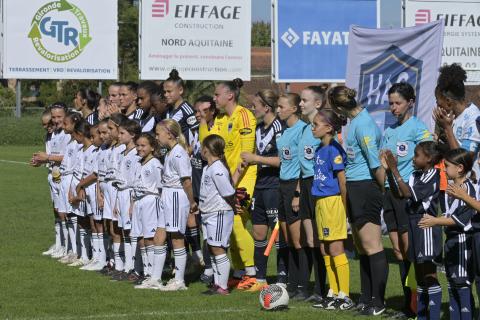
[(390, 12)]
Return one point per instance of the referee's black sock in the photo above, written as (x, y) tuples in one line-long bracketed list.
[(293, 269), (282, 261), (303, 274), (365, 281), (404, 267), (379, 276), (320, 272)]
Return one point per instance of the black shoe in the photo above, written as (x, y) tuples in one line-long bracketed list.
[(301, 295), (324, 303), (212, 290), (373, 311), (341, 304), (206, 279), (314, 298), (105, 270), (140, 279), (360, 307), (133, 276), (120, 276)]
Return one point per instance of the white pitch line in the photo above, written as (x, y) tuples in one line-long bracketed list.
[(147, 314), (15, 162)]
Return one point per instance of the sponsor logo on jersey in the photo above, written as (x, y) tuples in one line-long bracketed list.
[(338, 159), (191, 120), (326, 232), (402, 149), (308, 152), (245, 131), (286, 153)]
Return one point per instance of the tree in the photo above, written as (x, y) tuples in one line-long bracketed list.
[(261, 34)]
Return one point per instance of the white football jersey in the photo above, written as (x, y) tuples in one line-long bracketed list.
[(79, 163), (176, 166), (90, 161), (148, 178), (130, 162), (465, 128), (113, 162), (103, 156), (56, 145), (214, 187), (70, 157)]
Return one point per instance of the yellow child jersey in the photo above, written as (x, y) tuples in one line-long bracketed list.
[(238, 131)]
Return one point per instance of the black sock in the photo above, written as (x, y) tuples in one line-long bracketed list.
[(379, 275), (365, 281), (320, 272), (260, 258), (293, 269), (206, 256), (404, 267), (192, 236), (282, 261), (303, 274)]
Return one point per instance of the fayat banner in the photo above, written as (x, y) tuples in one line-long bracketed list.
[(311, 37), (378, 58), (202, 39), (461, 42), (65, 39)]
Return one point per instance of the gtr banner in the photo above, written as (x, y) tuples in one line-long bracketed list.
[(64, 39), (377, 58), (202, 39)]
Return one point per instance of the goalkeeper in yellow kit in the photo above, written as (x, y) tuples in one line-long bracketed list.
[(236, 125)]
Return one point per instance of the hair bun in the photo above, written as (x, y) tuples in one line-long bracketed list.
[(351, 93), (238, 82), (174, 74)]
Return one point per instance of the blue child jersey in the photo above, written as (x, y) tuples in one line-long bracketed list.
[(401, 140), (287, 146), (329, 159), (363, 139), (306, 152)]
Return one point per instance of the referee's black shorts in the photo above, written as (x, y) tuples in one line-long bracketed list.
[(285, 211), (395, 212), (364, 203), (307, 200)]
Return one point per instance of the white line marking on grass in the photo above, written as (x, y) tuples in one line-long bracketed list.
[(150, 314), (15, 162)]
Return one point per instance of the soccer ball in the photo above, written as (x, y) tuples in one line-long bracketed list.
[(274, 297)]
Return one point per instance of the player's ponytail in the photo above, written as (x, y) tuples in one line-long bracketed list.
[(175, 130), (174, 77), (234, 86)]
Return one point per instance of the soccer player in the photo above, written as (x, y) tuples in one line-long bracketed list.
[(313, 98), (455, 116), (145, 91), (114, 97), (329, 187), (66, 169), (128, 131), (128, 101), (146, 212), (110, 192), (181, 111), (287, 144), (422, 192), (236, 125), (86, 102), (401, 139), (265, 199), (364, 197), (217, 205)]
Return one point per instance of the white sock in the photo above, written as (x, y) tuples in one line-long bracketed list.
[(65, 233), (127, 244), (180, 256), (102, 253), (159, 255), (83, 241), (117, 257), (143, 254), (94, 245), (150, 253), (223, 270), (135, 259), (214, 269), (58, 235), (250, 271), (72, 237)]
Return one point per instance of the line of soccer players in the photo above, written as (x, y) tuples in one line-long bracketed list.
[(134, 176)]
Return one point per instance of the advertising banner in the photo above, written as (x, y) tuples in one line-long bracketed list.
[(64, 39), (311, 37), (202, 39), (461, 42), (377, 58)]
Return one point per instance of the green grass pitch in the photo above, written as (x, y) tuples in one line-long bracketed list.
[(37, 287)]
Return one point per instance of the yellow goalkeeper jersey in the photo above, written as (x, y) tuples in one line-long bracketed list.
[(238, 131)]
